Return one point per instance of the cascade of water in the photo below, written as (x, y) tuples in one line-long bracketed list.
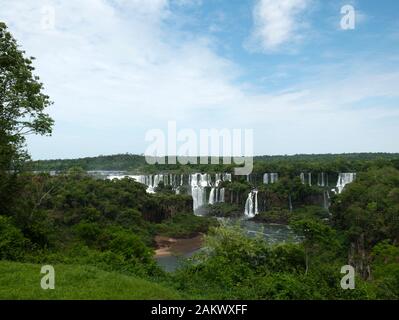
[(212, 196), (270, 177), (310, 178), (251, 204), (326, 198), (320, 179), (302, 176), (256, 202), (345, 178), (199, 182), (221, 195)]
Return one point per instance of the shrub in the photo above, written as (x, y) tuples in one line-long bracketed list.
[(12, 241)]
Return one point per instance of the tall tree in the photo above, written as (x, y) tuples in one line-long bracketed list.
[(22, 105)]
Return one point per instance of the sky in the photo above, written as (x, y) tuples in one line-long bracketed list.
[(286, 69)]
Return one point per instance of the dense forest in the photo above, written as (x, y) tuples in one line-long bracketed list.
[(74, 219), (137, 163), (100, 234)]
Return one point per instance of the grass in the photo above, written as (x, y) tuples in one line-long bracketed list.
[(22, 281)]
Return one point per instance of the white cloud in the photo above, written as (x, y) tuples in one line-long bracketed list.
[(115, 71), (277, 22)]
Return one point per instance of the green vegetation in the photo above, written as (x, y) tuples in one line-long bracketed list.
[(238, 267), (284, 165), (22, 281), (100, 234), (185, 226)]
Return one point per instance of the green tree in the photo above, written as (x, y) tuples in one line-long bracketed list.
[(317, 236), (12, 242), (22, 105)]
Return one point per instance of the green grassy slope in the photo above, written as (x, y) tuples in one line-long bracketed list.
[(22, 281)]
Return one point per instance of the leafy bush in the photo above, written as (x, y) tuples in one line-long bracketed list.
[(184, 226), (12, 241)]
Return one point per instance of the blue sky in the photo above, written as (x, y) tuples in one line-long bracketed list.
[(118, 68)]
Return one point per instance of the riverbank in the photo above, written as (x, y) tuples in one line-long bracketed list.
[(168, 246)]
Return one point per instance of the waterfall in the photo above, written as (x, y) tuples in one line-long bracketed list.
[(270, 178), (308, 178), (302, 176), (198, 183), (344, 179), (251, 205), (221, 195), (326, 198), (256, 202), (320, 180), (212, 195)]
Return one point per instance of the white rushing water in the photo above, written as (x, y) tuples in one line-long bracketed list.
[(213, 196), (270, 177), (152, 181), (302, 176), (207, 188), (321, 179), (198, 184), (306, 178), (251, 205), (326, 199), (345, 178)]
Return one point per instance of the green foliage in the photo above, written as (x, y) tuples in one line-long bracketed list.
[(184, 226), (21, 281), (385, 264), (162, 188), (22, 105), (12, 241), (286, 165), (281, 216), (233, 266), (369, 207), (223, 209), (367, 212)]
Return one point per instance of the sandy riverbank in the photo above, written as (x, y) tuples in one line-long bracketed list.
[(167, 246)]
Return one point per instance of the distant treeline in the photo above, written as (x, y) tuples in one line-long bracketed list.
[(282, 163)]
